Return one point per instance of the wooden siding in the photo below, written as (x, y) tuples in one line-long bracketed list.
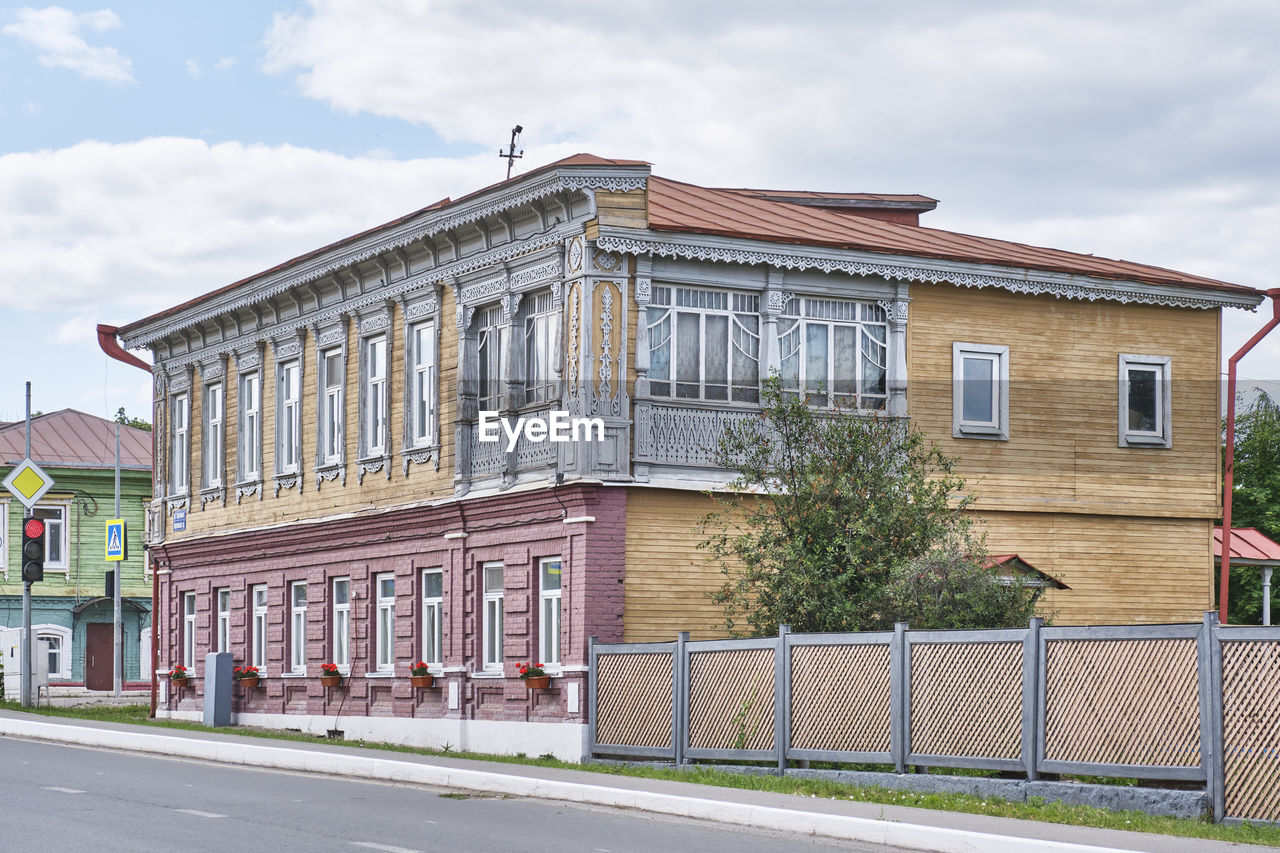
[(626, 209), (1062, 454), (423, 482), (1120, 570)]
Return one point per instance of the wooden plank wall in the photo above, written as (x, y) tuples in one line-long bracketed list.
[(423, 482)]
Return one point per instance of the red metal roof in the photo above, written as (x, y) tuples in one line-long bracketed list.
[(676, 206), (1247, 544), (72, 439)]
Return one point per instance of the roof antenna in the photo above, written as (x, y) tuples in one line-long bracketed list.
[(511, 155)]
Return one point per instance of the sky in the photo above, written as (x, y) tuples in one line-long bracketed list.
[(151, 152)]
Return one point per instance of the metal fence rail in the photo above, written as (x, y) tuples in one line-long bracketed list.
[(1195, 702)]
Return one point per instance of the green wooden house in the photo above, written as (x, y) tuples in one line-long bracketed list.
[(70, 608)]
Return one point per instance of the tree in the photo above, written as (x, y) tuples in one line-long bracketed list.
[(136, 423), (1255, 499), (847, 518)]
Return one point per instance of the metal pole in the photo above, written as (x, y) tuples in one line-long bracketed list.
[(1228, 484), (1266, 596), (28, 657), (117, 679)]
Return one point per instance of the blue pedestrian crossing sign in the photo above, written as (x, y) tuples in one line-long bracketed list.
[(117, 541)]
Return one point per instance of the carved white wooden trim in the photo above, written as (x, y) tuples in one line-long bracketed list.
[(288, 482), (535, 274), (244, 491)]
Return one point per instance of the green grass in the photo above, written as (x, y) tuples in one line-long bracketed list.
[(1034, 809)]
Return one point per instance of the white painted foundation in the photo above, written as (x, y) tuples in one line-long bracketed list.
[(566, 741)]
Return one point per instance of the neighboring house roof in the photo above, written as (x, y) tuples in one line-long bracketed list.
[(1248, 546), (1013, 564), (72, 439)]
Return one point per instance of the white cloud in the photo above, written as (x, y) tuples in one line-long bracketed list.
[(225, 63), (56, 32), (31, 108), (193, 68)]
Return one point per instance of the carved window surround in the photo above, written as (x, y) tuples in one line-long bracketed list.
[(418, 310), (330, 336), (288, 350)]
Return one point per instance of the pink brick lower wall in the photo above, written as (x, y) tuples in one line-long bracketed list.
[(516, 530)]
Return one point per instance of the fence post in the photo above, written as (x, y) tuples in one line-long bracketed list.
[(592, 698), (680, 697), (781, 698), (1030, 695), (899, 697), (1212, 751)]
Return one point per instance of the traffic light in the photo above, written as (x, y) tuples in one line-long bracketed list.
[(33, 550)]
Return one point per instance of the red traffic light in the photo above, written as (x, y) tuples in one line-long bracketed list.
[(33, 529)]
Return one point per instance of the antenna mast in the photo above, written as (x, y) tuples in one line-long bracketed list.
[(510, 155)]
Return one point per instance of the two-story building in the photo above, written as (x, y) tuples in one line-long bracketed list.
[(70, 609), (323, 431)]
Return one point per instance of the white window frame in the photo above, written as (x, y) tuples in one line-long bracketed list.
[(540, 348), (423, 408), (996, 426), (288, 414), (62, 634), (332, 414), (222, 634), (214, 438), (250, 428), (384, 640), (189, 631), (433, 620), (297, 628), (342, 626), (258, 627), (669, 304), (491, 359), (375, 414), (63, 508), (1162, 435), (180, 443), (492, 615), (550, 613), (870, 323)]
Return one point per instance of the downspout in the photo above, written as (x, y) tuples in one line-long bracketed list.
[(107, 341), (1227, 484)]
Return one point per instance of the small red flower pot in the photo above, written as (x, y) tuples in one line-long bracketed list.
[(537, 682), (249, 681), (422, 680), (331, 680)]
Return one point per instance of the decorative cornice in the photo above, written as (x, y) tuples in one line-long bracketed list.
[(905, 268), (535, 274), (401, 238), (486, 289)]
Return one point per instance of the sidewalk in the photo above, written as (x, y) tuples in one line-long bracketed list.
[(910, 828)]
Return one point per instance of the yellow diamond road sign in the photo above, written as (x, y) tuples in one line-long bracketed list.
[(28, 483)]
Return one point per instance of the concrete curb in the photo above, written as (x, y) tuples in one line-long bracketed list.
[(913, 837)]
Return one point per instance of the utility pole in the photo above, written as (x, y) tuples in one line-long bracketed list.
[(28, 647), (117, 679), (510, 155)]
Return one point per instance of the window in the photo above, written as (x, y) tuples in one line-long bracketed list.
[(342, 623), (433, 616), (213, 436), (58, 657), (189, 630), (493, 621), (56, 538), (539, 362), (1145, 407), (835, 350), (386, 622), (422, 384), (258, 654), (980, 391), (331, 412), (374, 422), (224, 620), (250, 431), (181, 443), (289, 418), (711, 338), (298, 626), (491, 348), (549, 615)]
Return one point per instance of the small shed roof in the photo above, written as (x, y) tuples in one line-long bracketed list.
[(71, 439), (1248, 547), (1012, 564)]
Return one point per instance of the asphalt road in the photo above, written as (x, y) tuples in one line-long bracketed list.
[(66, 799)]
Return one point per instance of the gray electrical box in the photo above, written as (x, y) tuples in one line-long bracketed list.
[(217, 689)]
